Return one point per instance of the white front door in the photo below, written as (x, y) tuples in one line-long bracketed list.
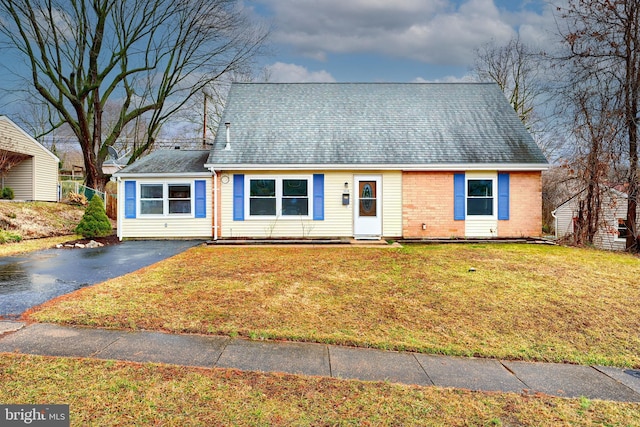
[(367, 209)]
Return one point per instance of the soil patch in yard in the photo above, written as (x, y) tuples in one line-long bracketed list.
[(106, 241)]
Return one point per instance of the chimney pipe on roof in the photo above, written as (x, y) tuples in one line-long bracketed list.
[(228, 144)]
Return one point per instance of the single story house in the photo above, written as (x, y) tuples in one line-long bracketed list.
[(165, 194), (612, 231), (30, 170), (362, 160)]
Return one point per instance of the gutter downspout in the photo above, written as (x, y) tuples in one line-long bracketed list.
[(119, 214), (215, 204), (555, 223)]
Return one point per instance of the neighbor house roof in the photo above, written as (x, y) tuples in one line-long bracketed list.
[(359, 125), (168, 162), (32, 140), (614, 191)]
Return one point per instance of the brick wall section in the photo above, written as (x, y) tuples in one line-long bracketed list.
[(525, 204), (427, 197)]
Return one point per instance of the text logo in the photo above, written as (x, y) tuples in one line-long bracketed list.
[(34, 415)]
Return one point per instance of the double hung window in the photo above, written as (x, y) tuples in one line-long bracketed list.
[(179, 198), (262, 197), (295, 197), (151, 199), (480, 197), (623, 231), (165, 199), (277, 196)]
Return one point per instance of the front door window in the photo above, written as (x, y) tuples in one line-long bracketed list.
[(367, 198)]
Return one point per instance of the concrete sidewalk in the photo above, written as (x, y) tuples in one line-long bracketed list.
[(561, 380)]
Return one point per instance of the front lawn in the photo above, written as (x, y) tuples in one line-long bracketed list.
[(531, 302), (107, 393), (10, 249)]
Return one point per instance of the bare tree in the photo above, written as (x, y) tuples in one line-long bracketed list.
[(132, 135), (204, 110), (513, 68), (602, 38), (594, 125), (516, 69), (35, 118), (148, 56)]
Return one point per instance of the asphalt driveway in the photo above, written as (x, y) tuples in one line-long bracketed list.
[(34, 278)]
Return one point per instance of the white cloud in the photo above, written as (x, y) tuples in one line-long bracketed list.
[(467, 78), (539, 30), (280, 72), (431, 31)]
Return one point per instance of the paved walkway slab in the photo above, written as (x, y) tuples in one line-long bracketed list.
[(628, 377), (565, 380), (156, 347), (291, 358), (469, 373), (323, 360), (45, 339), (376, 365)]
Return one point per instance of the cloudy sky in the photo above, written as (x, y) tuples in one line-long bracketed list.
[(392, 40)]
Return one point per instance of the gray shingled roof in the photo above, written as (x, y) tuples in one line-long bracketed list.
[(169, 162), (371, 124)]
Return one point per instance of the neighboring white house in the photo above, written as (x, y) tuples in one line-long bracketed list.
[(34, 173), (612, 231)]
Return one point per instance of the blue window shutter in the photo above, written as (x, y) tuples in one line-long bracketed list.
[(201, 198), (129, 199), (238, 197), (318, 197), (503, 196), (458, 196)]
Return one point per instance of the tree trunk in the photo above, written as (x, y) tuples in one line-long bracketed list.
[(632, 87), (633, 240)]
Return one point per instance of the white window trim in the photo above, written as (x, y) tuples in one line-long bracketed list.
[(618, 238), (165, 199), (278, 216), (494, 184)]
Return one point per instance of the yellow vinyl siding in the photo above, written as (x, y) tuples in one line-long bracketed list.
[(392, 204), (338, 218), (481, 228), (167, 226)]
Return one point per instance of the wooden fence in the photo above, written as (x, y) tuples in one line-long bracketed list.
[(111, 205)]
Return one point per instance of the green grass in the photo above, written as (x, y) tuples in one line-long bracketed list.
[(523, 302), (7, 237), (108, 393), (25, 246)]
